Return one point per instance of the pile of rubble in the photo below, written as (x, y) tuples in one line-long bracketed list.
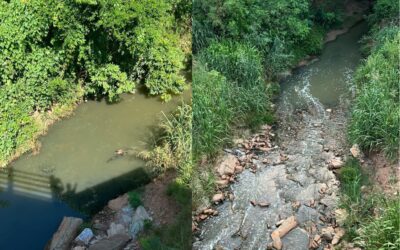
[(115, 227)]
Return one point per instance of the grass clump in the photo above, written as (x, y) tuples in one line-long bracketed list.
[(134, 199)]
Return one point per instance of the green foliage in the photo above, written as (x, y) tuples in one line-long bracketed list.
[(109, 81), (212, 111), (382, 232), (376, 117), (173, 149), (384, 11), (275, 28), (328, 14), (52, 49), (134, 199), (239, 63), (214, 117)]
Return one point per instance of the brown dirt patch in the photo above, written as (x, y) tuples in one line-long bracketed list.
[(385, 174), (162, 208)]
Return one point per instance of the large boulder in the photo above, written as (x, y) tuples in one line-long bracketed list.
[(65, 234), (115, 242)]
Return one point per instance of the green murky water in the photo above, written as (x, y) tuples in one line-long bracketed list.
[(77, 170)]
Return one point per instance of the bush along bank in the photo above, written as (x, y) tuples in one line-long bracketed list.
[(240, 51), (370, 184), (53, 53)]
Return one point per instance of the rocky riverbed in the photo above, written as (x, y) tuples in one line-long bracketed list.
[(285, 177)]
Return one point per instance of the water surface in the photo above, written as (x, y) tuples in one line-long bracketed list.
[(77, 169)]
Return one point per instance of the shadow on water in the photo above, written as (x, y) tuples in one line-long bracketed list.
[(36, 203)]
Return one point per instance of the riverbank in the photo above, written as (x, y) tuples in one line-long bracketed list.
[(150, 217), (42, 121)]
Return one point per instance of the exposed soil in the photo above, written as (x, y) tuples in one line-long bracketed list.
[(384, 174), (162, 207)]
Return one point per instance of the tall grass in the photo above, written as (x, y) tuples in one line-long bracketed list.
[(382, 231), (213, 112), (173, 149), (375, 121)]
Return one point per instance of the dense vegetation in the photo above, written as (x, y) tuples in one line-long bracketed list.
[(376, 115), (54, 52), (240, 47), (373, 220)]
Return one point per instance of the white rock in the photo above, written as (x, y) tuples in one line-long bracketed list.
[(355, 151), (85, 236)]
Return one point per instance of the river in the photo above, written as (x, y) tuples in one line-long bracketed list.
[(312, 109), (77, 171)]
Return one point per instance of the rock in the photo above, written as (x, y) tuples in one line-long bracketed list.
[(327, 233), (85, 236), (341, 216), (203, 216), (238, 169), (355, 151), (227, 166), (118, 203), (79, 248), (115, 229), (65, 234), (263, 204), (222, 183), (339, 233), (286, 226), (297, 239), (100, 226), (306, 214), (115, 242), (218, 197), (209, 211), (336, 162), (138, 220)]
